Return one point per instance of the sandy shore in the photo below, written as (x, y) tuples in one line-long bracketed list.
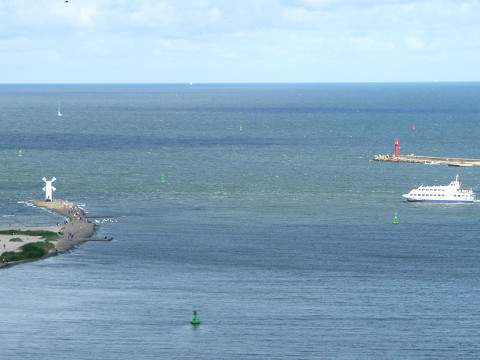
[(76, 230), (7, 245)]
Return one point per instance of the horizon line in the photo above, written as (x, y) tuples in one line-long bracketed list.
[(247, 82)]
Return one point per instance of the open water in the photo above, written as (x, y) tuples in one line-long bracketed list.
[(258, 206)]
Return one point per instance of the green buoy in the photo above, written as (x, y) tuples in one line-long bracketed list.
[(195, 320), (163, 179), (395, 219)]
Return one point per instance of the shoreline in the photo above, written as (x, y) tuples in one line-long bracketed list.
[(76, 230)]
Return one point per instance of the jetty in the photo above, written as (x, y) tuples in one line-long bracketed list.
[(429, 160), (77, 228), (421, 159), (20, 244), (23, 244)]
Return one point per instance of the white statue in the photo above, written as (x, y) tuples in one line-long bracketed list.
[(49, 188)]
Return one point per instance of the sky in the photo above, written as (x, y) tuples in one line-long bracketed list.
[(203, 41)]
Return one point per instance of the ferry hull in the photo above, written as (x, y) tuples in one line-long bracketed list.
[(441, 201)]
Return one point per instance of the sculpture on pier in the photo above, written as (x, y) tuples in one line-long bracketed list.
[(49, 188)]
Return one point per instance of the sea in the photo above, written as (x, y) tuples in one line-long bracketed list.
[(257, 205)]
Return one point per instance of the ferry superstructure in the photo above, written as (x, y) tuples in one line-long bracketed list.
[(451, 193)]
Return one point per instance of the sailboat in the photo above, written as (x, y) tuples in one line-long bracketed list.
[(59, 113)]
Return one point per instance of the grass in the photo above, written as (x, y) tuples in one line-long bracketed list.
[(45, 234), (15, 240), (28, 252)]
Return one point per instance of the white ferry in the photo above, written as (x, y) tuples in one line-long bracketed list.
[(451, 193)]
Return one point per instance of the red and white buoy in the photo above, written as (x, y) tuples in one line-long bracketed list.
[(397, 148)]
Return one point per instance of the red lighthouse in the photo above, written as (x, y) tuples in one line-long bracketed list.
[(397, 148)]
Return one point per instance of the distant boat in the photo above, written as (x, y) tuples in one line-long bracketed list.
[(59, 113), (241, 127)]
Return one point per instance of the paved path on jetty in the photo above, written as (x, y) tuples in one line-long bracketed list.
[(78, 228), (433, 160)]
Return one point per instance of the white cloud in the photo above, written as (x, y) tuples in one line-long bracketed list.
[(298, 14), (414, 43), (214, 13), (266, 40)]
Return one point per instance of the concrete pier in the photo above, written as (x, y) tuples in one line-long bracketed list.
[(430, 160)]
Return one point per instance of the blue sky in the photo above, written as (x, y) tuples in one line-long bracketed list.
[(164, 41)]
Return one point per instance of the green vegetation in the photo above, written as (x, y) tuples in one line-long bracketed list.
[(45, 234), (28, 252)]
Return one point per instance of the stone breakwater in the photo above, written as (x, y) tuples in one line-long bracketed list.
[(28, 244), (77, 228), (430, 160)]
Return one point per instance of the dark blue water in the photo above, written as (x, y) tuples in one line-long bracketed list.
[(258, 206)]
